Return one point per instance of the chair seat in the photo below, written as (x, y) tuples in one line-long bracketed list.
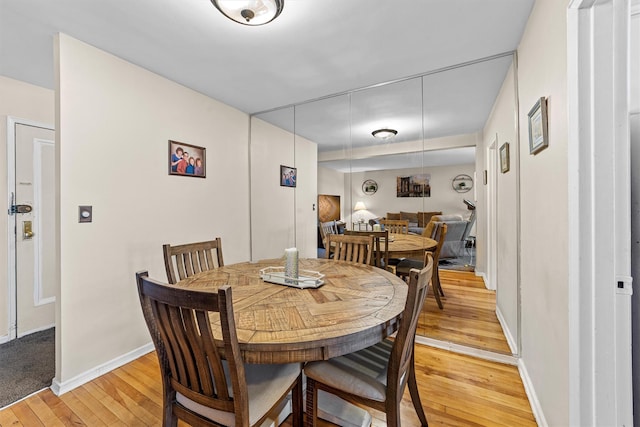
[(263, 383), (363, 373), (404, 266)]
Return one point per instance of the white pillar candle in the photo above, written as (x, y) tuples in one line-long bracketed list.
[(291, 263), (376, 227)]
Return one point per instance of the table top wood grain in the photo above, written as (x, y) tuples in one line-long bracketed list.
[(357, 306), (409, 245)]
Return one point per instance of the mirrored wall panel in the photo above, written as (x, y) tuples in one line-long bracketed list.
[(402, 151)]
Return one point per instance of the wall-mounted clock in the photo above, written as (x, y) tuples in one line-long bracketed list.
[(369, 187)]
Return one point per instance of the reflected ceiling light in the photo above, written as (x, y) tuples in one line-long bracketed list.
[(250, 12), (384, 133)]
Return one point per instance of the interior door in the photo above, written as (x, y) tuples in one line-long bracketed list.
[(35, 244)]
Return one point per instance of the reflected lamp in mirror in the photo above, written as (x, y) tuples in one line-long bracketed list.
[(385, 133), (360, 207), (250, 12)]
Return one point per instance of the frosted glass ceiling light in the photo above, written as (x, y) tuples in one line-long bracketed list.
[(250, 12), (384, 133)]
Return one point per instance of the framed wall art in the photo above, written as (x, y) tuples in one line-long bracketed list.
[(413, 185), (187, 160), (538, 136), (504, 158), (288, 176)]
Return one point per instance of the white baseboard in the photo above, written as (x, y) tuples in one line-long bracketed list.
[(536, 408), (484, 277), (507, 359), (507, 332), (60, 388), (33, 331), (5, 338)]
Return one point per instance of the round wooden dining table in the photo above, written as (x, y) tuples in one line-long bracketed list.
[(356, 307), (409, 245)]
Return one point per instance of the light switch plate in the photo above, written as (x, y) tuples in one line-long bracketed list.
[(85, 213)]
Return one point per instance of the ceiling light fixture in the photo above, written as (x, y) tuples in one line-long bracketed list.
[(250, 12), (384, 133)]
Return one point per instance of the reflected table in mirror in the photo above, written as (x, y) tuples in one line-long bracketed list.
[(358, 306), (409, 245)]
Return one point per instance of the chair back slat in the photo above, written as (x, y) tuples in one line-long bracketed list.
[(190, 362), (401, 356), (350, 248), (396, 226), (380, 256), (182, 261), (439, 235)]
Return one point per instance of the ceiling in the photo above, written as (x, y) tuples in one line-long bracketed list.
[(312, 50)]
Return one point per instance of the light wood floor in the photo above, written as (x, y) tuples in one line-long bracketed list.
[(456, 390), (468, 316)]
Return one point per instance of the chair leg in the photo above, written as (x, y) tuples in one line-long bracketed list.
[(437, 278), (436, 293), (296, 404), (415, 395), (312, 403)]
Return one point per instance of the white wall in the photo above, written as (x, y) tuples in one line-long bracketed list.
[(542, 71), (22, 100), (114, 121), (502, 122), (282, 217), (443, 197)]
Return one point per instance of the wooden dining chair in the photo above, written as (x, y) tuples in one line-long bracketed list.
[(375, 377), (404, 267), (380, 256), (199, 387), (182, 261), (396, 226), (358, 249)]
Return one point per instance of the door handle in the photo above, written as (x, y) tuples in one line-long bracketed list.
[(27, 230)]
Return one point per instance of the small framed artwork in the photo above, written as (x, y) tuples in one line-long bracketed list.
[(538, 136), (504, 158), (288, 176), (187, 160)]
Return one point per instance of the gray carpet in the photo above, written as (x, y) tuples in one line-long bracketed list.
[(466, 262), (27, 364)]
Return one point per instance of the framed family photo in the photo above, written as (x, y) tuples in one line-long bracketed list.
[(187, 160), (538, 136), (288, 176)]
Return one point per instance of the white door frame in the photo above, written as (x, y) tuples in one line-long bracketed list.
[(600, 391), (12, 122), (491, 161)]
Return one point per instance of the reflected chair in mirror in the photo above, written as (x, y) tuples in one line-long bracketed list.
[(376, 376), (396, 226), (350, 248), (200, 386), (380, 257), (182, 261), (326, 228), (404, 266)]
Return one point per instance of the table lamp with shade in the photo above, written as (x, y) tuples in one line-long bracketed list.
[(360, 207)]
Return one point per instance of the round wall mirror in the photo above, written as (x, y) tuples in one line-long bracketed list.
[(462, 183), (369, 187)]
